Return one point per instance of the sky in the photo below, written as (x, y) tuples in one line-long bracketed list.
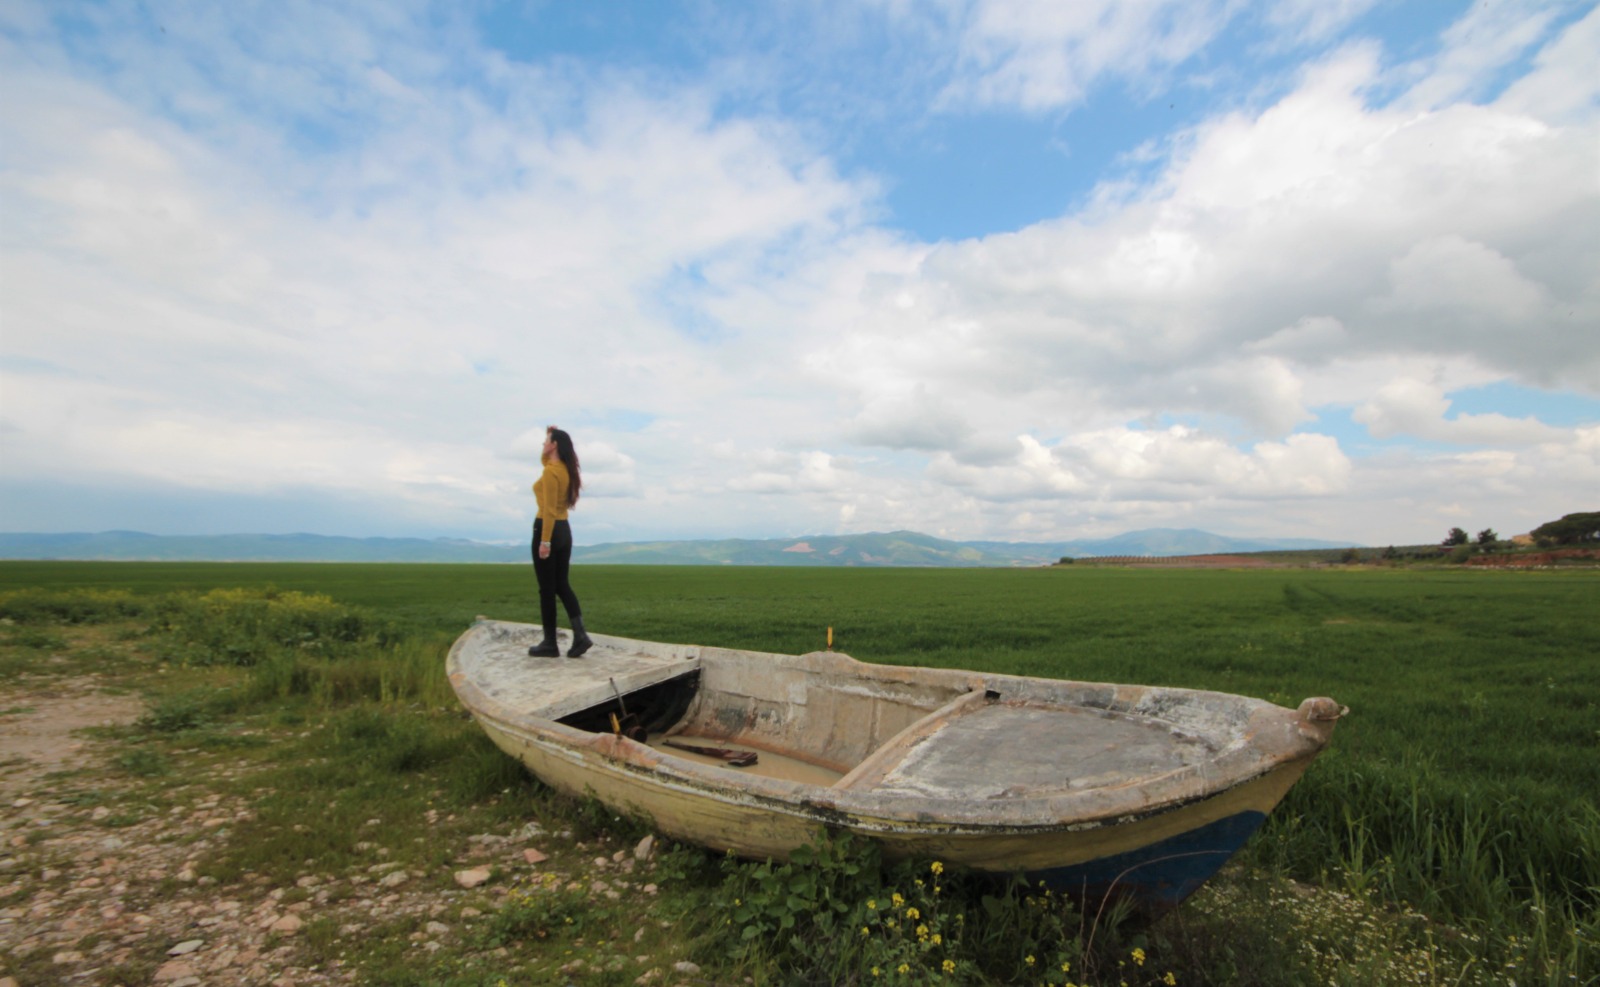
[(983, 269)]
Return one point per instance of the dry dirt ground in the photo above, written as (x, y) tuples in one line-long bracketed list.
[(98, 882), (92, 896)]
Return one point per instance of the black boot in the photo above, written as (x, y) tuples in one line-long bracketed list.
[(580, 639), (548, 648)]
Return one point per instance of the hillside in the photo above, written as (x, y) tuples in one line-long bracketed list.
[(896, 548)]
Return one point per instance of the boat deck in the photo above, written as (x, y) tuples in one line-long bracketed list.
[(556, 687), (1022, 750)]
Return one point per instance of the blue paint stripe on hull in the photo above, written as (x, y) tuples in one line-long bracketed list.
[(1161, 875)]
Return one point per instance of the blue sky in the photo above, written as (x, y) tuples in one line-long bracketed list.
[(980, 268)]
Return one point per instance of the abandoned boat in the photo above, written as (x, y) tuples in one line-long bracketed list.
[(1098, 790)]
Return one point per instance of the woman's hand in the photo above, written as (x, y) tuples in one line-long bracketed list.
[(544, 550)]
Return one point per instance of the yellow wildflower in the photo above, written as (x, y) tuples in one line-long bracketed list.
[(1028, 959), (864, 931), (1138, 956), (898, 901), (913, 914), (922, 932), (937, 939), (1065, 966), (877, 972), (1170, 980), (904, 969), (872, 903), (949, 966), (937, 867)]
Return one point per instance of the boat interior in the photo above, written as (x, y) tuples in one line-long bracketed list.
[(817, 719)]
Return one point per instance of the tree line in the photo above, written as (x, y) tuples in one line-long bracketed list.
[(1570, 529)]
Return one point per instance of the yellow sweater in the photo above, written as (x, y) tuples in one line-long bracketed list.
[(550, 490)]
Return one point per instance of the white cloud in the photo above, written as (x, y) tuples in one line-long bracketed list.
[(1418, 408), (353, 251), (1037, 56)]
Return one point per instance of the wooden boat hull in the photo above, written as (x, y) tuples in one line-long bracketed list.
[(1153, 839)]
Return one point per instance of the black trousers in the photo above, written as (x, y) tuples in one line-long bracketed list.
[(552, 574)]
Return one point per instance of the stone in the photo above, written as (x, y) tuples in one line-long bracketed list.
[(646, 847), (394, 879), (288, 925), (472, 878), (173, 971), (686, 968), (436, 928), (533, 856), (187, 946), (67, 956)]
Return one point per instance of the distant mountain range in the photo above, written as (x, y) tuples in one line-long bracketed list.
[(896, 548)]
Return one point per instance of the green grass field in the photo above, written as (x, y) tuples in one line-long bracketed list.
[(1463, 784)]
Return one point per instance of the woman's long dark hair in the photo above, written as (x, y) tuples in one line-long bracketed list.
[(569, 458)]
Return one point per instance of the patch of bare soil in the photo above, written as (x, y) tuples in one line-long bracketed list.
[(1537, 560), (38, 731), (99, 882), (96, 883)]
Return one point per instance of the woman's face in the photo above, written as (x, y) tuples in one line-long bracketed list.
[(549, 445)]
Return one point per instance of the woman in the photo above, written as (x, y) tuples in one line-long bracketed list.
[(556, 490)]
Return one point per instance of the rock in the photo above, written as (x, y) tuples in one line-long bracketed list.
[(394, 879), (67, 956), (472, 878), (533, 856), (686, 968), (99, 813), (646, 847), (173, 971), (436, 928), (187, 946), (288, 925)]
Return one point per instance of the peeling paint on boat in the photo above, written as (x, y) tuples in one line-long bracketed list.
[(1097, 788)]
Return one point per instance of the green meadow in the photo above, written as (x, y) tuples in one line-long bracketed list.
[(1454, 823)]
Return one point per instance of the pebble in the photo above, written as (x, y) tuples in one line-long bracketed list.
[(472, 878), (187, 946), (394, 879)]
